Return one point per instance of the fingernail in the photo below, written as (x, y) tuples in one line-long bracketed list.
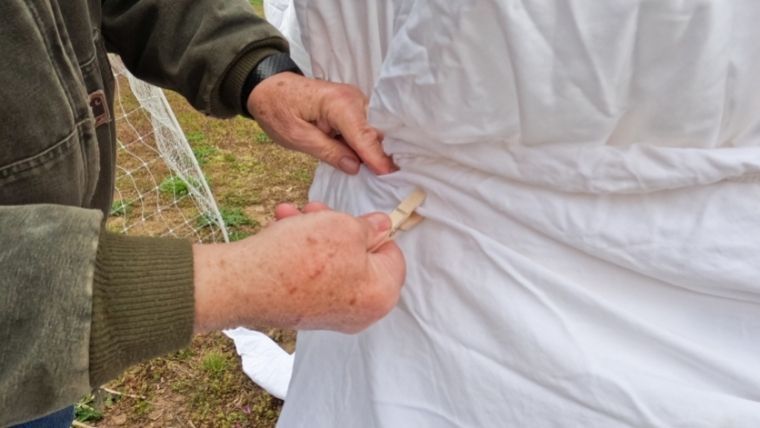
[(349, 165), (381, 222)]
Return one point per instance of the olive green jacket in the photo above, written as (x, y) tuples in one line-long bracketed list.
[(78, 305)]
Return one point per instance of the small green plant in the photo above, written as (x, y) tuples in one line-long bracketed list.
[(236, 217), (263, 138), (205, 220), (85, 412), (232, 218), (174, 185), (203, 152), (239, 235), (195, 136), (215, 363), (121, 208)]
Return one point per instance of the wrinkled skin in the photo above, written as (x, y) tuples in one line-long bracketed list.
[(310, 270), (326, 120), (316, 269)]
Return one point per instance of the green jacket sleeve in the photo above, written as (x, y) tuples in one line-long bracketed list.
[(203, 49), (47, 262), (79, 305)]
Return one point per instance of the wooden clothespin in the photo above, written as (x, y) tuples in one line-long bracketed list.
[(404, 216)]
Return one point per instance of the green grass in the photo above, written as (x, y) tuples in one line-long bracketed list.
[(174, 186), (302, 174), (121, 208), (92, 407), (84, 411), (194, 137), (236, 217), (263, 138), (202, 150), (215, 363), (232, 218), (258, 6), (230, 158)]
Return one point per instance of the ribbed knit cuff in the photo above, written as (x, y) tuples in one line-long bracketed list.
[(142, 303), (238, 73)]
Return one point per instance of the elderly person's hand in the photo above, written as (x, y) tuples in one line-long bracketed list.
[(319, 269), (326, 120)]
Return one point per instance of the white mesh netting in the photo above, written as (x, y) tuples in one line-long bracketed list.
[(160, 188)]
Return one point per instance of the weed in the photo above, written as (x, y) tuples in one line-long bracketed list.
[(174, 185), (232, 218), (205, 220), (236, 217), (121, 208), (215, 363), (85, 412), (203, 152), (195, 137), (263, 138)]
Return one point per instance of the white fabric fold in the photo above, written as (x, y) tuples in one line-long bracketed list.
[(591, 249)]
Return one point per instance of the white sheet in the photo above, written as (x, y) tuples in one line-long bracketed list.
[(591, 254)]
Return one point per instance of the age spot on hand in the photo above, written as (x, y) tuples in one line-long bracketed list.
[(317, 271)]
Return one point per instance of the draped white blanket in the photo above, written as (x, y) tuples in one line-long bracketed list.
[(591, 254)]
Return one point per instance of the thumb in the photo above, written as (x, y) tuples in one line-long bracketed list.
[(378, 229), (389, 263)]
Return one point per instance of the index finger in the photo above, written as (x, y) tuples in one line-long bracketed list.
[(366, 142)]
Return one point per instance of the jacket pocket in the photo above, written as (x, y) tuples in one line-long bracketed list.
[(57, 175), (48, 148)]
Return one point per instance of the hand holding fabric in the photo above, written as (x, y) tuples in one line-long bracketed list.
[(326, 120), (311, 270)]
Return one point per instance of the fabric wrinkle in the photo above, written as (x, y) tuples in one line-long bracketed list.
[(588, 256)]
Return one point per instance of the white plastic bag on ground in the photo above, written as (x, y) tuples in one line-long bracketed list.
[(591, 253), (264, 361)]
